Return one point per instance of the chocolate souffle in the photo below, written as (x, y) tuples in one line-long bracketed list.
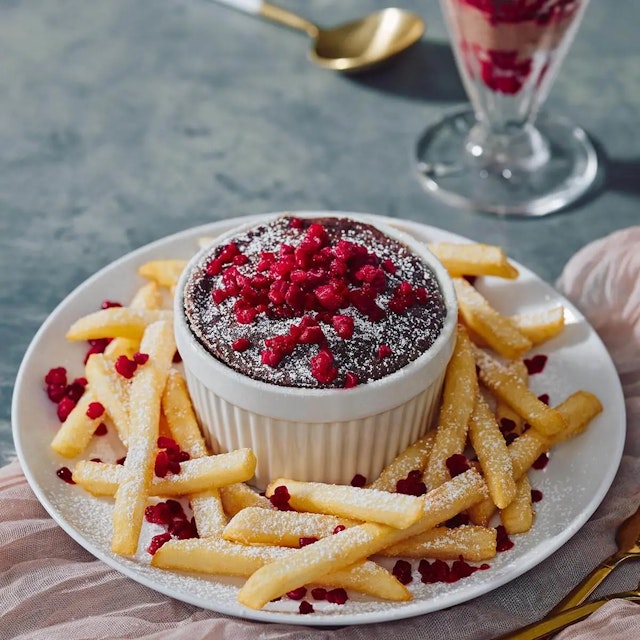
[(326, 302)]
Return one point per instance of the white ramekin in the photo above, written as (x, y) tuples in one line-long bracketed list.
[(322, 435)]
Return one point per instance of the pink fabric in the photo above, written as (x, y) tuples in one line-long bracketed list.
[(51, 588)]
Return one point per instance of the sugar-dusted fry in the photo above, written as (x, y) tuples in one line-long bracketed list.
[(396, 510), (498, 331), (281, 528), (474, 259), (116, 322), (238, 496), (111, 389), (493, 455), (503, 411), (178, 411), (577, 410), (199, 474), (165, 272), (518, 516), (510, 389), (144, 411), (219, 556), (329, 554), (208, 513), (458, 398), (76, 431), (146, 297), (413, 458), (541, 325), (472, 542)]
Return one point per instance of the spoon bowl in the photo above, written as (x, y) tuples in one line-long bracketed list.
[(366, 42), (354, 46)]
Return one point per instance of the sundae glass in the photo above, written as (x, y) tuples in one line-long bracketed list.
[(502, 155)]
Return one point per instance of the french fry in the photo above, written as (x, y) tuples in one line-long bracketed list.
[(517, 517), (396, 510), (281, 528), (219, 556), (146, 390), (111, 390), (503, 411), (238, 496), (208, 513), (116, 322), (540, 326), (178, 411), (414, 457), (146, 297), (515, 393), (498, 331), (309, 563), (198, 474), (75, 433), (458, 397), (472, 542), (164, 272), (473, 259), (493, 455), (577, 411)]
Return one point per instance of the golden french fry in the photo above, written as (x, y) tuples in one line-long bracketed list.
[(510, 389), (254, 525), (493, 455), (517, 517), (473, 259), (498, 331), (116, 322), (111, 390), (199, 474), (542, 325), (458, 397), (165, 272), (309, 563), (396, 510), (472, 542), (219, 556), (238, 496), (208, 513), (577, 411), (144, 412), (503, 411), (178, 411), (76, 431), (146, 297), (413, 458)]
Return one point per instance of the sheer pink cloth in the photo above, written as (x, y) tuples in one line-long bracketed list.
[(52, 589)]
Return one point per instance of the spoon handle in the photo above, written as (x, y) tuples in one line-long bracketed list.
[(274, 13)]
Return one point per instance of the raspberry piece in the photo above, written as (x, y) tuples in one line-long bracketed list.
[(402, 571), (280, 498), (337, 596), (322, 367), (157, 542), (412, 485), (541, 462), (339, 528), (108, 304), (305, 607), (55, 392), (125, 367), (457, 464), (319, 593), (384, 351), (57, 375), (536, 495), (65, 407), (388, 266), (297, 594), (350, 380), (140, 358), (536, 364), (95, 410), (161, 465), (306, 540), (64, 473), (343, 326), (101, 430), (358, 480), (241, 344)]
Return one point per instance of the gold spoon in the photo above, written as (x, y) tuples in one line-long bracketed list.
[(354, 46)]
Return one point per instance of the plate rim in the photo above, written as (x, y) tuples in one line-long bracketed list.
[(126, 566)]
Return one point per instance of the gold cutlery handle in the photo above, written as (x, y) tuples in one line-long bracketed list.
[(557, 622), (585, 588)]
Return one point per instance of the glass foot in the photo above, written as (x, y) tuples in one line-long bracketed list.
[(452, 167)]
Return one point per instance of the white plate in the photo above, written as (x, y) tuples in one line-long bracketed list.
[(574, 483)]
